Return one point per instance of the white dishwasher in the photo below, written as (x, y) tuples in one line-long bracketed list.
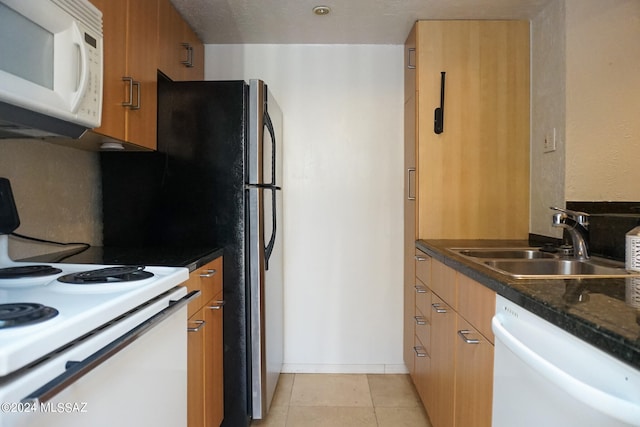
[(544, 376)]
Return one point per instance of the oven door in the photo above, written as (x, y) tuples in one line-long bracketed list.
[(132, 373)]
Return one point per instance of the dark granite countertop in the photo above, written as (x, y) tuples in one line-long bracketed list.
[(189, 257), (595, 310)]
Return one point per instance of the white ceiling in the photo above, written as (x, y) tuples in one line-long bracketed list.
[(350, 21)]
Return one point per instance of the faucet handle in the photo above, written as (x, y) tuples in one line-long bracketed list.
[(581, 218)]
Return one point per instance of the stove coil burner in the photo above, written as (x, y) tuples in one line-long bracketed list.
[(24, 313), (107, 275), (28, 271)]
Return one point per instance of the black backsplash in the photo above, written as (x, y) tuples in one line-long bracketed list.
[(608, 224)]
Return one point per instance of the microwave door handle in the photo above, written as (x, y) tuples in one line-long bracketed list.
[(83, 81)]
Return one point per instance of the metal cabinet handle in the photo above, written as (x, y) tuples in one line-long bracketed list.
[(78, 369), (218, 306), (139, 103), (420, 258), (420, 320), (208, 273), (463, 334), (421, 289), (189, 61), (436, 307), (200, 324), (409, 172), (420, 351), (129, 103), (411, 55)]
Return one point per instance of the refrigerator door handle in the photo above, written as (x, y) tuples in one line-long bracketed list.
[(272, 134), (272, 240)]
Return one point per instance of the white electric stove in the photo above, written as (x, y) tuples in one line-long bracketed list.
[(101, 344)]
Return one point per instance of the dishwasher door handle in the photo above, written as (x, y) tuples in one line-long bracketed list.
[(593, 397)]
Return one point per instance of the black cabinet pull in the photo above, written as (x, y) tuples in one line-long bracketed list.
[(438, 122)]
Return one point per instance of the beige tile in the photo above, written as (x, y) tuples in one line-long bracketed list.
[(282, 394), (330, 390), (393, 391), (277, 417), (331, 416), (402, 417)]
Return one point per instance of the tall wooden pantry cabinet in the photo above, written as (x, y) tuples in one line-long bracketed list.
[(467, 177)]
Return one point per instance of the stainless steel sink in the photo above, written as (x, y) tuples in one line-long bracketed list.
[(501, 253), (556, 268), (531, 263)]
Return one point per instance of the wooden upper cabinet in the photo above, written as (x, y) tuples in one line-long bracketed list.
[(474, 176), (140, 38), (130, 72), (181, 53), (114, 27), (142, 53)]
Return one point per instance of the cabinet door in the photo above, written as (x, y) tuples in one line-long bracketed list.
[(196, 344), (114, 90), (213, 359), (441, 374), (474, 377), (142, 52), (194, 70), (474, 176), (170, 49), (409, 205)]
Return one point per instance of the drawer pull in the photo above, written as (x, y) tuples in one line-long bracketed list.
[(208, 273), (421, 289), (420, 320), (420, 351), (218, 306), (420, 258), (463, 334), (436, 307), (200, 324)]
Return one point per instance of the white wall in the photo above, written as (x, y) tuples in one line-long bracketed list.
[(603, 100), (585, 83), (343, 186), (548, 82)]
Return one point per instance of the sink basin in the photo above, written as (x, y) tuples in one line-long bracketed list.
[(531, 263), (556, 268), (504, 253)]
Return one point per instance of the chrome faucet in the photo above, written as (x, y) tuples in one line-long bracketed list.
[(577, 225)]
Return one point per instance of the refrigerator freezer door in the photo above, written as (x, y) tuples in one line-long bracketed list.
[(265, 138), (266, 287)]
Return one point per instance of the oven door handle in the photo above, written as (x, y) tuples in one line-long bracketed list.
[(76, 370)]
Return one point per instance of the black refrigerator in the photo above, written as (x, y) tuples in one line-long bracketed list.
[(215, 180)]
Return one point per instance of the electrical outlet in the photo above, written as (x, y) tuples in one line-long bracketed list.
[(550, 141)]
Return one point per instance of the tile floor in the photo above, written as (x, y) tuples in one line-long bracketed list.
[(352, 400)]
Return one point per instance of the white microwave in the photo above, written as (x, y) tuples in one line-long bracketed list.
[(51, 60)]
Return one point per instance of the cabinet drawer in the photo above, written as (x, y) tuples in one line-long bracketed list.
[(208, 280), (423, 267), (423, 298), (477, 304), (423, 329), (443, 283)]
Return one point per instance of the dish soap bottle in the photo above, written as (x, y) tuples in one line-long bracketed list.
[(632, 250)]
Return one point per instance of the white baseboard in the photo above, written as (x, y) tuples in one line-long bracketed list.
[(292, 368)]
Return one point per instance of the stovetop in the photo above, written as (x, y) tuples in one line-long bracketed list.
[(73, 309)]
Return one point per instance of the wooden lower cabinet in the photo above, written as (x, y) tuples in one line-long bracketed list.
[(453, 348), (474, 377), (205, 387), (442, 370)]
